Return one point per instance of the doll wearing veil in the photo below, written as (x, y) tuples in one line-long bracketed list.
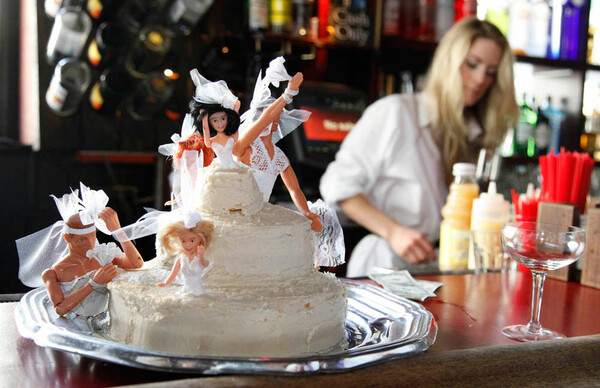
[(266, 159), (215, 108), (75, 280), (190, 238)]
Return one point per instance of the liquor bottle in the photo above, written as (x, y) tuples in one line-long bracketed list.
[(406, 83), (427, 22), (594, 34), (569, 41), (112, 87), (69, 82), (542, 127), (524, 132), (280, 16), (107, 46), (135, 14), (555, 117), (539, 21), (555, 27), (258, 15), (463, 8), (183, 15), (302, 11), (444, 18), (149, 97), (101, 10), (51, 8), (518, 26), (69, 34), (497, 14), (391, 17), (148, 51)]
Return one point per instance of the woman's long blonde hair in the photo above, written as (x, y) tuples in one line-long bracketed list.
[(169, 235), (495, 112)]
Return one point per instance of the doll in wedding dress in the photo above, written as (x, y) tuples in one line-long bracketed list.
[(190, 238)]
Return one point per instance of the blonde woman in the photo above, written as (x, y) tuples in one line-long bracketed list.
[(392, 172), (189, 238)]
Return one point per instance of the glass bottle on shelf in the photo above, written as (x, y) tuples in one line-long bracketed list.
[(463, 8), (183, 15), (108, 45), (101, 10), (51, 8), (280, 16), (444, 18), (518, 26), (148, 51), (69, 34), (542, 127), (302, 12), (258, 15), (555, 117), (539, 22), (524, 141), (593, 55), (555, 27), (112, 87), (149, 97), (392, 11), (569, 36), (497, 14), (406, 83), (68, 84), (427, 13)]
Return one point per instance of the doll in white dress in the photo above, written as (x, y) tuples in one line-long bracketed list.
[(190, 238)]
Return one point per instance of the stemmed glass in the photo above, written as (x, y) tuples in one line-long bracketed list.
[(541, 248)]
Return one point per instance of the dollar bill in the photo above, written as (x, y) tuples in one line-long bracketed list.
[(401, 283)]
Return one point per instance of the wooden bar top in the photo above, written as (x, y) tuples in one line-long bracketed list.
[(470, 349)]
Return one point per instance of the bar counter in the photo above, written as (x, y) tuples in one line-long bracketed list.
[(470, 349)]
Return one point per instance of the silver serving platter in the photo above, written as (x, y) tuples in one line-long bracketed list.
[(380, 327)]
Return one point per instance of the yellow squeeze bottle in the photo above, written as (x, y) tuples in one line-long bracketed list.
[(455, 229)]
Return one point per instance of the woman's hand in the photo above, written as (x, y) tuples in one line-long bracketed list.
[(315, 221), (105, 274), (411, 245)]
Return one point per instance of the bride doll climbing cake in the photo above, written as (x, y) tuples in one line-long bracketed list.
[(257, 291)]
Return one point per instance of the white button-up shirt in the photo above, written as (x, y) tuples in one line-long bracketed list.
[(391, 156)]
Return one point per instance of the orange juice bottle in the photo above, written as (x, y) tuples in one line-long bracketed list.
[(455, 230)]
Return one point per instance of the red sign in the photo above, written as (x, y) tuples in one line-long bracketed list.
[(329, 125)]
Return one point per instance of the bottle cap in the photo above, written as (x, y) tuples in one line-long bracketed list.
[(491, 204), (463, 169)]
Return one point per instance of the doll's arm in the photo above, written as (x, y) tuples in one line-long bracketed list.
[(63, 305), (173, 273), (206, 131), (205, 263), (268, 116), (132, 258), (291, 183)]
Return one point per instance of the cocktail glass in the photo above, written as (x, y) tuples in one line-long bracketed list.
[(541, 248)]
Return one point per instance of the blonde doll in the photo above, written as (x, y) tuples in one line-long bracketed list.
[(190, 240)]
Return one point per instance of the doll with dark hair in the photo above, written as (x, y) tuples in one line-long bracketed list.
[(217, 108)]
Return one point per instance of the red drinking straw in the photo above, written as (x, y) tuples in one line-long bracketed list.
[(544, 173), (565, 178), (585, 182), (577, 176), (551, 175)]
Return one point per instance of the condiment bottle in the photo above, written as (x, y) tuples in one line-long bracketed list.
[(490, 212), (455, 229)]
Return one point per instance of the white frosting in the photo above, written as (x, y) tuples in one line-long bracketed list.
[(230, 190), (263, 297)]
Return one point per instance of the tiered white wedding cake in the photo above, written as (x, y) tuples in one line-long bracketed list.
[(263, 297)]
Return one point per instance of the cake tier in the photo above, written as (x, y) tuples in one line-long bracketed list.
[(275, 243), (286, 317), (228, 191)]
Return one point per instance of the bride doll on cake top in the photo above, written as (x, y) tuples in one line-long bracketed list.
[(268, 162), (67, 259), (209, 108)]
